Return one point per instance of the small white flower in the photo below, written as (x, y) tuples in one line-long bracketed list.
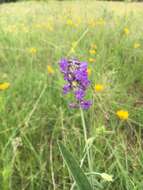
[(107, 177)]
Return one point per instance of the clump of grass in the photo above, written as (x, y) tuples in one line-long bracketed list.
[(34, 36)]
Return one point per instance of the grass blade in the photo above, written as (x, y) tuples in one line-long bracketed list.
[(77, 173)]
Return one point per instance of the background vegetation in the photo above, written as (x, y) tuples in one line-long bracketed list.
[(7, 1), (34, 114)]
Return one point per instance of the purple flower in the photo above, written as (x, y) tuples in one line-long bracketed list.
[(66, 88), (75, 74), (64, 65), (83, 66), (79, 94), (85, 104)]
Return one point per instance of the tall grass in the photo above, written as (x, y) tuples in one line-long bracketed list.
[(34, 114)]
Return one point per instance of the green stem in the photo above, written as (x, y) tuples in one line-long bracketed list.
[(86, 139)]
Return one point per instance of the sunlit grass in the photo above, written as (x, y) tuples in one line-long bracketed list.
[(34, 114)]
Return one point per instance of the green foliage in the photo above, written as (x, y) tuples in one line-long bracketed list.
[(34, 114), (77, 173)]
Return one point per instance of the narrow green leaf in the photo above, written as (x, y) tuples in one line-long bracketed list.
[(77, 173)]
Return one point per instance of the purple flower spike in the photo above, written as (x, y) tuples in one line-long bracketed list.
[(64, 65), (66, 88), (75, 74), (85, 104), (79, 94), (83, 66)]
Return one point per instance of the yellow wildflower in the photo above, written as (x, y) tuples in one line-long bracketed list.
[(92, 60), (4, 86), (89, 72), (137, 45), (99, 87), (92, 51), (50, 70), (33, 50), (122, 114), (70, 22), (107, 177), (126, 31)]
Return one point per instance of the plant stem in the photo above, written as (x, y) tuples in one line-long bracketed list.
[(86, 140)]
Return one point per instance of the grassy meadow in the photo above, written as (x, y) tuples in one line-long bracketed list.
[(34, 113)]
